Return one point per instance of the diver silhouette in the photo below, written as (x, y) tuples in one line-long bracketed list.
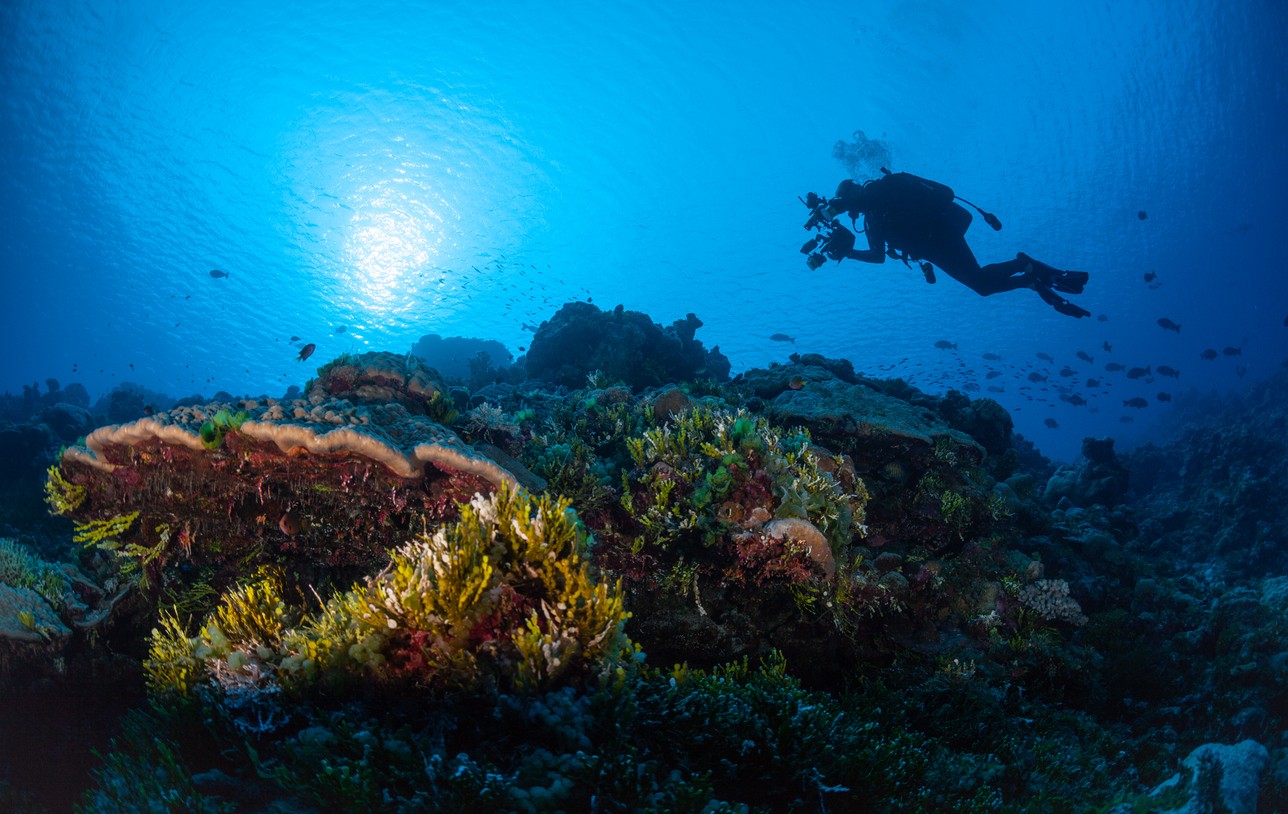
[(914, 219)]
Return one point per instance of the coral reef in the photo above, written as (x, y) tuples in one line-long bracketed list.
[(1099, 478), (384, 378), (501, 598), (42, 604), (477, 361), (321, 483), (625, 346), (1212, 493), (645, 588)]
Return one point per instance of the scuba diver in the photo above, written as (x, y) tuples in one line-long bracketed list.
[(914, 219)]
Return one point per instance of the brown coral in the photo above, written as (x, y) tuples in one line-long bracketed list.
[(320, 480)]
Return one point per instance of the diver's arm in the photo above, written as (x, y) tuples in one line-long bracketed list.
[(875, 253)]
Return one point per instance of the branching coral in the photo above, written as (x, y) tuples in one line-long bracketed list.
[(1050, 599)]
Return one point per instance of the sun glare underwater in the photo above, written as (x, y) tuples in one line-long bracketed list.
[(386, 171), (275, 534)]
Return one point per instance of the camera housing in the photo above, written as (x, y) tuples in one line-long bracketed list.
[(814, 261)]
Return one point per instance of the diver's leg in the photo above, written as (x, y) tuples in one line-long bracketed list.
[(955, 259), (996, 277), (1006, 276), (1070, 282)]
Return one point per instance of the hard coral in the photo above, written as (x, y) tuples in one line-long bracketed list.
[(321, 481), (381, 377)]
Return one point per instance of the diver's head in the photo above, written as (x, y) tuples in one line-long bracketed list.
[(851, 192)]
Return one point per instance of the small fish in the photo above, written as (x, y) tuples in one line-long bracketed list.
[(796, 383), (1151, 276), (992, 374), (993, 357), (1167, 325), (1209, 354), (341, 329), (1084, 356), (1138, 372), (995, 388), (1108, 347), (307, 351), (1138, 402), (944, 344), (1037, 377), (148, 409), (1074, 399), (1241, 370), (782, 338), (527, 327), (895, 471), (1232, 351), (290, 524), (1093, 382), (216, 273), (1142, 215), (1046, 357), (1114, 367), (1052, 423), (1169, 372), (1164, 396), (1102, 318), (1067, 371), (523, 348), (295, 339)]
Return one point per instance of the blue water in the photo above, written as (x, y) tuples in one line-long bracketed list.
[(391, 168)]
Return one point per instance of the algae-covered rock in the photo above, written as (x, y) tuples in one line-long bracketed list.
[(625, 346), (835, 408), (1098, 478), (1221, 777), (381, 377)]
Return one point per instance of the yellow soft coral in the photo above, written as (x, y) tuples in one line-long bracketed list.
[(104, 533), (62, 495)]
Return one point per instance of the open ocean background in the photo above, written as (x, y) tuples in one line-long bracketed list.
[(391, 168)]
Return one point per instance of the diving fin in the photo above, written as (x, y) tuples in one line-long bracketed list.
[(1068, 282), (1060, 303)]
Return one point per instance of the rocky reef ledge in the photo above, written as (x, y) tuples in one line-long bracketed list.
[(613, 577)]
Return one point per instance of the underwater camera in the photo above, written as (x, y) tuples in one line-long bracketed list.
[(821, 218), (815, 258), (820, 213)]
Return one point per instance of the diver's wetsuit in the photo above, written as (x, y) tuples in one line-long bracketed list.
[(919, 218)]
